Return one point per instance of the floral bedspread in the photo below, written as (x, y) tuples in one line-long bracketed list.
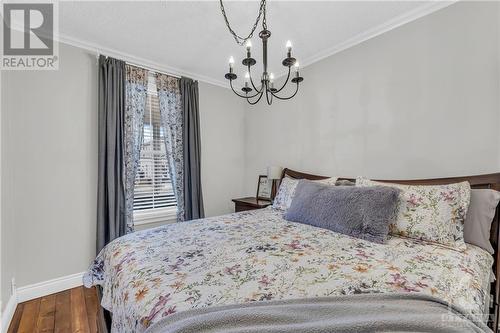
[(257, 256)]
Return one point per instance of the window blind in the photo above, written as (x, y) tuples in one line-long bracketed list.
[(153, 190)]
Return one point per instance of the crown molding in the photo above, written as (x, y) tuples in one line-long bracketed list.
[(394, 23), (99, 49), (425, 9)]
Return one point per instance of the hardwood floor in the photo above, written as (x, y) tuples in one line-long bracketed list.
[(70, 311)]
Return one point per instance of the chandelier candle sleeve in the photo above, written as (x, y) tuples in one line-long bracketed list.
[(231, 76), (249, 47), (297, 79), (246, 88), (253, 93), (247, 77), (289, 49)]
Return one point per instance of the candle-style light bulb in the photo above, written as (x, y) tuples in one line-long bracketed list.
[(271, 80), (296, 68), (247, 78), (249, 46), (231, 64), (289, 49)]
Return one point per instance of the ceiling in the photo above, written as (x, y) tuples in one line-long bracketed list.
[(190, 37)]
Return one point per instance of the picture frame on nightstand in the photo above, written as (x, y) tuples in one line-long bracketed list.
[(263, 188)]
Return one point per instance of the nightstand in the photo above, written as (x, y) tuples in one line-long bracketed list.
[(249, 203)]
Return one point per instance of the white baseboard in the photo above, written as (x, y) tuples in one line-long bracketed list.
[(8, 312), (45, 288)]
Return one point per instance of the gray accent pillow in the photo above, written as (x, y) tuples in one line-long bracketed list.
[(483, 203), (362, 212)]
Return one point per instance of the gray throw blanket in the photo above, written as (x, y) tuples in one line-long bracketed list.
[(388, 312)]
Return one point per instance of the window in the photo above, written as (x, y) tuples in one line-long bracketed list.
[(154, 198)]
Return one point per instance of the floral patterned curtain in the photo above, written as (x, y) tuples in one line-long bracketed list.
[(135, 102), (169, 96)]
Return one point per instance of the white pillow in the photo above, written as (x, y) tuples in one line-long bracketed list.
[(286, 191), (477, 226)]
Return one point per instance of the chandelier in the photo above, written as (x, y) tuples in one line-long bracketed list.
[(251, 92)]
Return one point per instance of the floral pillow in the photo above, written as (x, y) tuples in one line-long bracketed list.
[(286, 191), (434, 213)]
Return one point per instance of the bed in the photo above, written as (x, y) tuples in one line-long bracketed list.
[(257, 256)]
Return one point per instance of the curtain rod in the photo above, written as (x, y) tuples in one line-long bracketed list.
[(141, 66)]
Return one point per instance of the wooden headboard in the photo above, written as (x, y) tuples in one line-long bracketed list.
[(491, 181)]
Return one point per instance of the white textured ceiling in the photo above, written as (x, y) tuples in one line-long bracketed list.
[(190, 37)]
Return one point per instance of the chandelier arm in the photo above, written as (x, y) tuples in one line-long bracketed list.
[(242, 96), (251, 81), (257, 101), (285, 98), (286, 81)]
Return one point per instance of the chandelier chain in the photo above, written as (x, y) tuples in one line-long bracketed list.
[(241, 40)]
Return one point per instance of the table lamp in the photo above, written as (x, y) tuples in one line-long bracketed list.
[(274, 174)]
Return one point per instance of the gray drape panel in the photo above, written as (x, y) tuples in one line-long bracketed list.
[(193, 198), (111, 219)]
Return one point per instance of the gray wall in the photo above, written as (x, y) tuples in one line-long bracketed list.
[(418, 101), (49, 163), (49, 171), (222, 154)]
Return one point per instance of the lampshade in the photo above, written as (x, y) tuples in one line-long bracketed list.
[(274, 172)]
